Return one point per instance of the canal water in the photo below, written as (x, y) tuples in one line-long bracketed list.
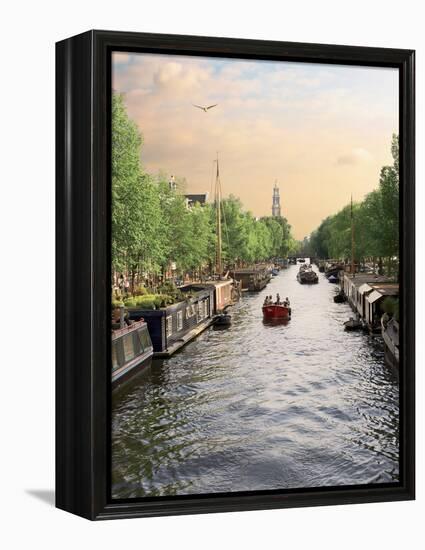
[(259, 406)]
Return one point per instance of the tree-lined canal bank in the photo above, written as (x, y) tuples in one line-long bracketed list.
[(261, 406)]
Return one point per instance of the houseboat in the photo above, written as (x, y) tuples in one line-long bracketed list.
[(131, 351), (373, 305), (252, 279), (365, 294), (226, 293), (390, 334), (173, 326)]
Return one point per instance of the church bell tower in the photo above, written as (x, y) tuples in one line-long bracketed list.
[(276, 201)]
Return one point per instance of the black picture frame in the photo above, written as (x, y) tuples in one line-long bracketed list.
[(83, 438)]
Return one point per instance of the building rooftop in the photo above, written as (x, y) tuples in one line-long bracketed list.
[(201, 198)]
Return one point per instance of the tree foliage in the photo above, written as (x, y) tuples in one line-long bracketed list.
[(375, 219), (152, 226)]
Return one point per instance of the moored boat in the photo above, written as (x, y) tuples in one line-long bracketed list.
[(131, 351), (353, 324), (275, 311), (333, 270), (340, 298), (252, 279), (172, 326), (222, 320)]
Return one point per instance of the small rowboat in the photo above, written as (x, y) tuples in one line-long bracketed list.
[(223, 320), (340, 298), (352, 324), (274, 311)]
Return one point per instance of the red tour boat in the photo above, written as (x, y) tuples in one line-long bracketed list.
[(274, 311)]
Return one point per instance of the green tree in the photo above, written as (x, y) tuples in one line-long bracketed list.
[(138, 241), (375, 219)]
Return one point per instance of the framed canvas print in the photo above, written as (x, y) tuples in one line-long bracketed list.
[(235, 274)]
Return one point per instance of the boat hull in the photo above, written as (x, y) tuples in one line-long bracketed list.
[(340, 298), (352, 325), (307, 278), (131, 370), (223, 320), (132, 351), (276, 312)]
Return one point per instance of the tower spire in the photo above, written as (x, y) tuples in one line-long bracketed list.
[(276, 201)]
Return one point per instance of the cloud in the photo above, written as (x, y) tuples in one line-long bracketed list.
[(355, 156), (287, 121)]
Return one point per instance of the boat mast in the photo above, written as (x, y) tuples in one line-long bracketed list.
[(218, 262), (352, 241)]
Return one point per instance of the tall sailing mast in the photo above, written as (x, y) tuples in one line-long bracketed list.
[(353, 266), (218, 258)]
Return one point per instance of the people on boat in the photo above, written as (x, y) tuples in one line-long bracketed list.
[(286, 302), (278, 299)]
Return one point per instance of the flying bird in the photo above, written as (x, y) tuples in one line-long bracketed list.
[(205, 109)]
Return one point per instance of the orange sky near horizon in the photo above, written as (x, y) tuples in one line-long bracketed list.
[(323, 132)]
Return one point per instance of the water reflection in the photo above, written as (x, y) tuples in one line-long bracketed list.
[(275, 322), (257, 406)]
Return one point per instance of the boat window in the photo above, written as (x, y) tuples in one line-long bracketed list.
[(140, 344), (169, 326), (128, 347), (179, 320), (144, 338), (115, 363), (201, 310)]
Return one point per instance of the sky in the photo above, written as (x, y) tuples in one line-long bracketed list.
[(322, 132)]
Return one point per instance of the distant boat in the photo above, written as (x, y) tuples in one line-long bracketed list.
[(274, 311), (333, 270), (352, 324), (275, 271), (333, 279), (306, 276)]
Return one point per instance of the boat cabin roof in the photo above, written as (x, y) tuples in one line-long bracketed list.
[(128, 328), (361, 278)]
